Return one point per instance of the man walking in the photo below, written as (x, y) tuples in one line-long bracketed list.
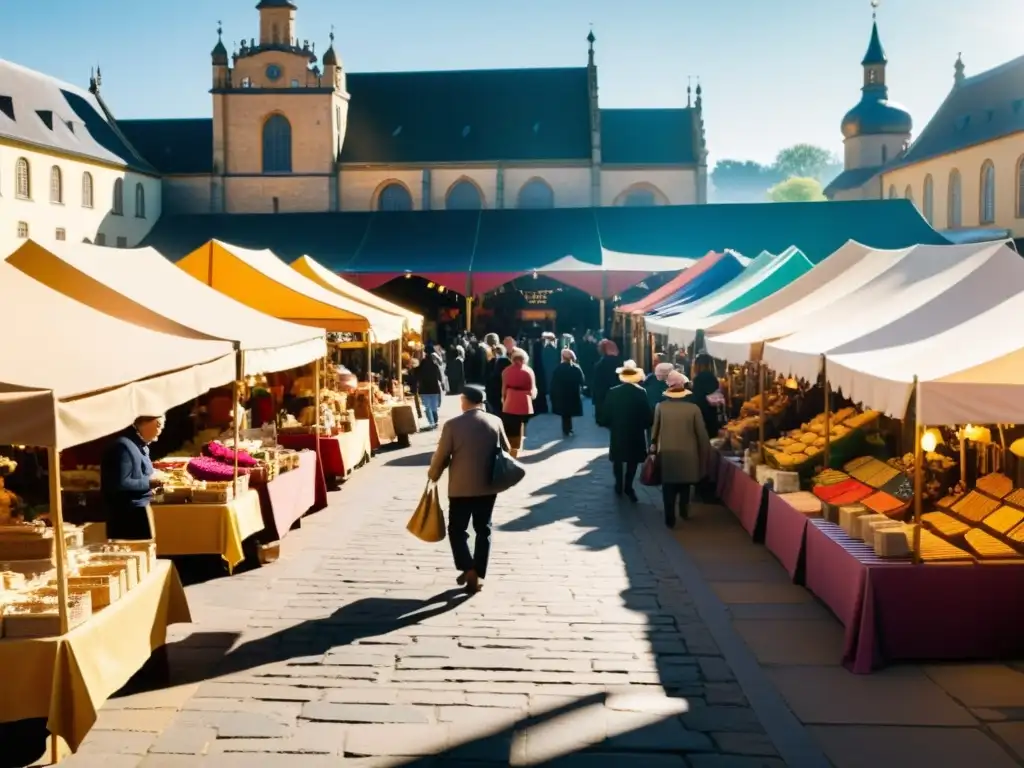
[(466, 448)]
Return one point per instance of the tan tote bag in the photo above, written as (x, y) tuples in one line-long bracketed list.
[(427, 522)]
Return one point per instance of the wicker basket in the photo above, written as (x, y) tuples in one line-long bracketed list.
[(104, 589), (141, 545), (46, 623), (113, 570)]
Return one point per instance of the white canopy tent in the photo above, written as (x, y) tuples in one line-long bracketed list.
[(739, 337), (766, 269), (930, 289), (142, 287), (78, 374)]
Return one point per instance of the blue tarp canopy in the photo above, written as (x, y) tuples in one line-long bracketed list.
[(718, 274)]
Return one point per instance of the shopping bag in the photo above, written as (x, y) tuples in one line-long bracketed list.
[(651, 472), (505, 470), (427, 522)]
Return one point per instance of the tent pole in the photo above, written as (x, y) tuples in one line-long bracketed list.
[(316, 401), (601, 317), (828, 411), (236, 388), (401, 367), (760, 411), (369, 358), (918, 472), (469, 313), (59, 543)]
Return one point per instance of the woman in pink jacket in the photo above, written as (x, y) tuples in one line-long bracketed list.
[(518, 388)]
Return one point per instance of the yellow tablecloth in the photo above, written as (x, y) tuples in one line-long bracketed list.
[(208, 529), (67, 679)]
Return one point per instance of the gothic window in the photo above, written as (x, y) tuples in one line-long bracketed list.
[(87, 190), (928, 207), (639, 198), (394, 197), (22, 182), (117, 208), (56, 185), (892, 191), (909, 193), (277, 145), (1020, 188), (140, 201), (988, 193), (464, 196), (536, 193), (954, 207)]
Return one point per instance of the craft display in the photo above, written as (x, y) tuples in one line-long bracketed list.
[(800, 446)]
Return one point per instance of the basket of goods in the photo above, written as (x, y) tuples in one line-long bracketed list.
[(123, 561), (229, 456), (26, 541), (215, 492), (34, 614), (104, 589), (116, 571), (175, 494), (142, 552), (207, 470)]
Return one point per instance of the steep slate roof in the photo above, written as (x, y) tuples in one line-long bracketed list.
[(515, 240), (468, 116), (853, 178), (60, 117), (648, 137), (982, 108), (177, 146)]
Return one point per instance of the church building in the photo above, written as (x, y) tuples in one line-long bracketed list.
[(964, 171), (293, 131)]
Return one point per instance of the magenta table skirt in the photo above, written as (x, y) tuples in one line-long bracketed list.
[(896, 611), (784, 537), (740, 493), (288, 497)]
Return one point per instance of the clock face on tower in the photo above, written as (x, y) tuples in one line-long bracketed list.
[(273, 72)]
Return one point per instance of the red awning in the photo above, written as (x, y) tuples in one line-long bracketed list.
[(655, 297)]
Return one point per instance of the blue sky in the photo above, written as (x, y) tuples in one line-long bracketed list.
[(774, 73)]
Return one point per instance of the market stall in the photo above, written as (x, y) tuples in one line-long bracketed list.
[(120, 283), (902, 545), (80, 619)]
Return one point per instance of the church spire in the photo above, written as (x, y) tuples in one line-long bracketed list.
[(958, 71), (875, 54)]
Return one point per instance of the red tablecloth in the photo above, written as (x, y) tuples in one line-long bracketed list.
[(339, 455), (287, 498), (897, 611), (741, 494), (785, 533)]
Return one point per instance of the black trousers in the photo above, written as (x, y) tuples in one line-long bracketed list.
[(624, 473), (566, 424), (462, 511), (671, 493)]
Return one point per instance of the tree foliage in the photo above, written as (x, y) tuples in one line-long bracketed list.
[(803, 161), (797, 189), (748, 181)]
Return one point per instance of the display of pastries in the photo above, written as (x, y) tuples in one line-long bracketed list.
[(829, 477), (945, 525), (936, 550), (1015, 497), (987, 546), (1003, 520), (995, 484), (975, 507)]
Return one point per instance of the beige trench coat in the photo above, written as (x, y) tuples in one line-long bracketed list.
[(682, 441)]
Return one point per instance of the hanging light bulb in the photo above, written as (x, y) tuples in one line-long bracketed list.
[(430, 286), (408, 274), (930, 440)]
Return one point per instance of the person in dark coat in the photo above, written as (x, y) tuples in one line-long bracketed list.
[(430, 381), (589, 356), (492, 377), (604, 378), (629, 418), (567, 390), (551, 358), (127, 480), (457, 371), (706, 394)]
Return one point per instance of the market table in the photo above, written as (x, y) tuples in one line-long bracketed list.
[(67, 679), (784, 535), (741, 494), (287, 498), (208, 529), (897, 611), (339, 454)]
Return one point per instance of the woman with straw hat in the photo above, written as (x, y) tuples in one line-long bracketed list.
[(628, 417), (681, 441)]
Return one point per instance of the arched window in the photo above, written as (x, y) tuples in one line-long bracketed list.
[(988, 193), (140, 201), (56, 186), (639, 198), (464, 196), (909, 193), (953, 203), (928, 201), (277, 145), (117, 208), (22, 180), (536, 193), (1020, 188), (892, 191), (394, 197), (87, 190)]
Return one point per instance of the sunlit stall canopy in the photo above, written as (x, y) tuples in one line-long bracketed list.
[(928, 290), (79, 374), (265, 283), (140, 286)]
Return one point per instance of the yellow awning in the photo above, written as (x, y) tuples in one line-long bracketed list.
[(319, 274), (264, 282)]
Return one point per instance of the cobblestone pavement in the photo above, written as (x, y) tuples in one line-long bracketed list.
[(586, 647)]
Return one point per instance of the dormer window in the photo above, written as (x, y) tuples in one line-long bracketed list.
[(46, 116), (7, 106)]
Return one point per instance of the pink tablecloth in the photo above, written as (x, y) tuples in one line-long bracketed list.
[(741, 494), (287, 498), (785, 533), (896, 611)]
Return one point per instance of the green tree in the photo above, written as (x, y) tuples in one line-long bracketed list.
[(737, 181), (796, 189), (805, 161)]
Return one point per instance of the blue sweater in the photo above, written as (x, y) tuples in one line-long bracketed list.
[(125, 472)]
